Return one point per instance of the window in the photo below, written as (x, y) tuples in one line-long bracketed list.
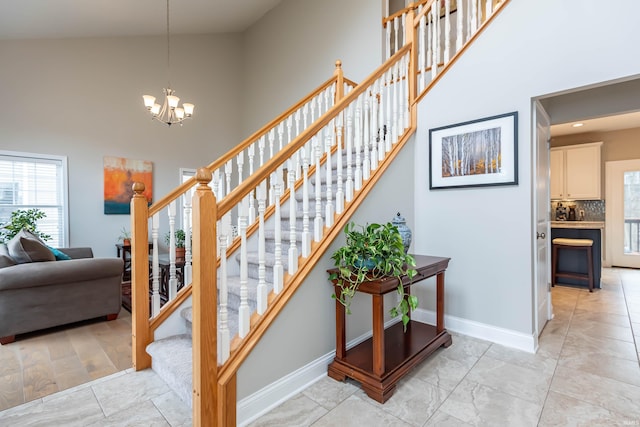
[(34, 181)]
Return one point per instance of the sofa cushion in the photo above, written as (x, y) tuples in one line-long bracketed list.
[(27, 247), (6, 261), (60, 256)]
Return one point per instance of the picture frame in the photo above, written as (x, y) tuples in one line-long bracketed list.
[(459, 153)]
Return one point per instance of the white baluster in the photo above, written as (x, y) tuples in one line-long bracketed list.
[(224, 336), (395, 33), (489, 10), (319, 100), (155, 267), (349, 150), (460, 34), (382, 134), (228, 170), (329, 207), (339, 153), (218, 187), (422, 52), (251, 152), (447, 31), (173, 281), (317, 222), (430, 42), (366, 164), (306, 233), (395, 131), (375, 130), (404, 81), (305, 115), (278, 270), (358, 144), (388, 98), (280, 136), (261, 193), (436, 41), (261, 145), (388, 40), (272, 138), (474, 18), (312, 106), (186, 220), (240, 163), (293, 249), (289, 128), (297, 116), (244, 310)]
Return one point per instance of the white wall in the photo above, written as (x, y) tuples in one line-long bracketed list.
[(294, 47), (82, 98), (532, 49)]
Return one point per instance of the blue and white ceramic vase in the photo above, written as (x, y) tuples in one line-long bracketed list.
[(404, 230)]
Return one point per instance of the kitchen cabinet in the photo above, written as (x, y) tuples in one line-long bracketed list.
[(575, 172)]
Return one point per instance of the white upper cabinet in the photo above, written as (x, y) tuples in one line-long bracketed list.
[(575, 172)]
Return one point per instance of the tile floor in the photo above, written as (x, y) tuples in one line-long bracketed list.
[(586, 373)]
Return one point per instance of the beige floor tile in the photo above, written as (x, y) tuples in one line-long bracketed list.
[(142, 414), (607, 393), (601, 329), (343, 416), (414, 401), (509, 378), (561, 410), (329, 393), (174, 410), (478, 404), (296, 412), (441, 419)]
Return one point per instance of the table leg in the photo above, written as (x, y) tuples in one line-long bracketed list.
[(440, 302), (378, 335), (341, 344)]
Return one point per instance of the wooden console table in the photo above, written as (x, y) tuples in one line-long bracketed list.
[(381, 361)]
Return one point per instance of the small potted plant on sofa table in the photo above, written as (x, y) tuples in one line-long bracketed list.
[(373, 252)]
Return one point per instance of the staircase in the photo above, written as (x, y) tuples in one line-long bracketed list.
[(299, 180)]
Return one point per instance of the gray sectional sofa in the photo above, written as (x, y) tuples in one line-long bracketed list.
[(43, 292)]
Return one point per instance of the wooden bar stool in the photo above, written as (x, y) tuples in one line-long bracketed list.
[(585, 245)]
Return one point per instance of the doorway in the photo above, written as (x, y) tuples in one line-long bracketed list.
[(623, 212)]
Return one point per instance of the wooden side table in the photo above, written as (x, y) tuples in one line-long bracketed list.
[(381, 361)]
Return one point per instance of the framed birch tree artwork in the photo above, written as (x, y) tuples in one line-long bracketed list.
[(477, 153)]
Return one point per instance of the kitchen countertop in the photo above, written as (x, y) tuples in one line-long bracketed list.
[(578, 224)]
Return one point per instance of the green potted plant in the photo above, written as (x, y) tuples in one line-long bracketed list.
[(23, 218), (371, 253), (125, 236), (179, 236)]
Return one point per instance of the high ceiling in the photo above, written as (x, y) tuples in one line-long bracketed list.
[(37, 19)]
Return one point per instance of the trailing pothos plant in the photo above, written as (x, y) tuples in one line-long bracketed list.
[(373, 252)]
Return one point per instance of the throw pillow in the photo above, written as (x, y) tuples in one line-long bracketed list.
[(60, 256), (3, 249), (26, 247), (6, 261)]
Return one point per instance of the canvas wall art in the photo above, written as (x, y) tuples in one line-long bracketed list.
[(119, 175), (481, 152)]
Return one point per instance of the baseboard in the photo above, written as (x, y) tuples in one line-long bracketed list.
[(264, 400), (502, 336)]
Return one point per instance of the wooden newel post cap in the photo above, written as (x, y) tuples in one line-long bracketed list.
[(338, 63), (138, 189), (203, 176)]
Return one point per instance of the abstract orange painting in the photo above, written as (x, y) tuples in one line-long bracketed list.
[(119, 176)]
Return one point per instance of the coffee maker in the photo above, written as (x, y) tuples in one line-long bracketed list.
[(571, 216)]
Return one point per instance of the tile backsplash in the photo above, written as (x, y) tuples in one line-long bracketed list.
[(593, 209)]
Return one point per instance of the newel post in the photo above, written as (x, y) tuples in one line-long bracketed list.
[(339, 75), (411, 38), (140, 333), (204, 299)]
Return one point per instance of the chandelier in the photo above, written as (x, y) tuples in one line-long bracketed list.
[(169, 112)]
